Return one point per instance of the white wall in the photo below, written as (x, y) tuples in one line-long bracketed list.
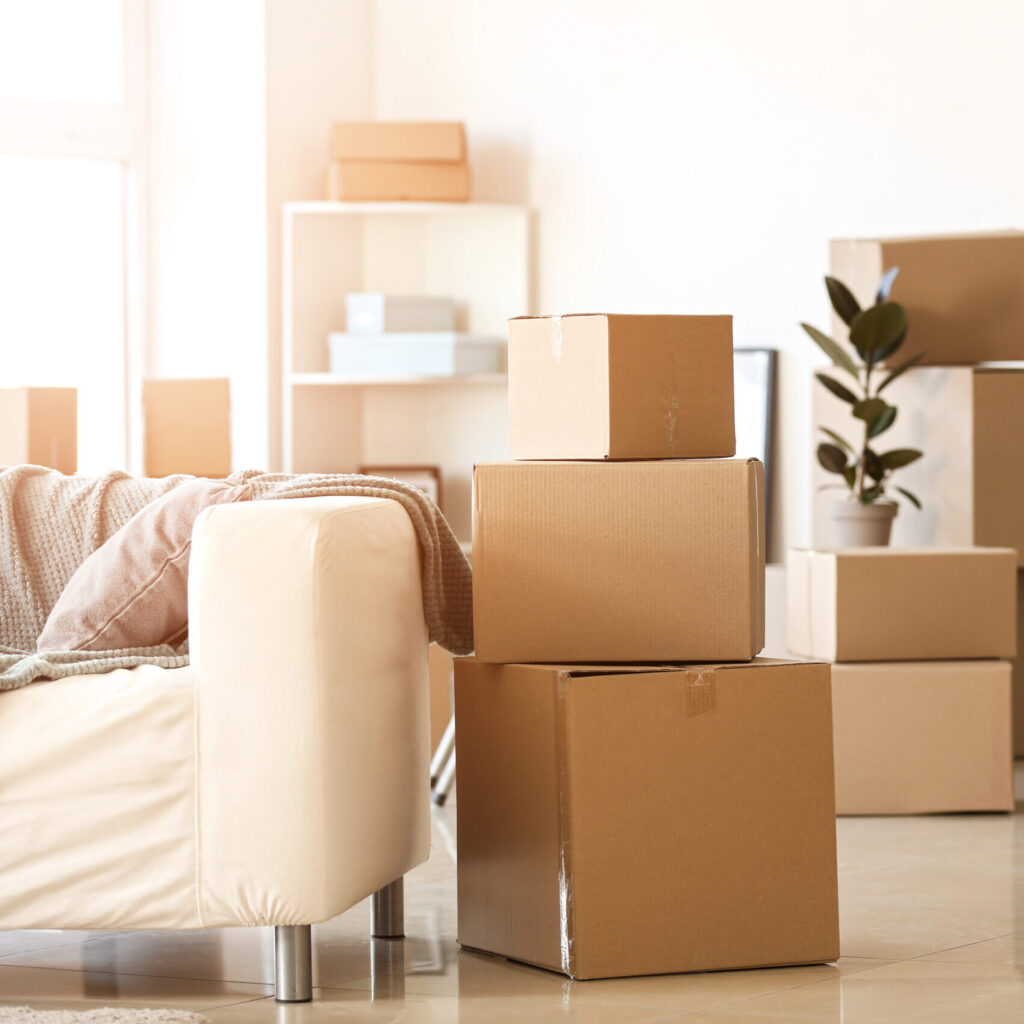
[(694, 157)]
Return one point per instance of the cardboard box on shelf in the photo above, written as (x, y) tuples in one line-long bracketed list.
[(408, 353), (398, 140), (39, 427), (902, 604), (383, 181), (377, 312), (922, 737), (969, 422), (964, 294), (187, 424), (618, 561), (620, 820), (604, 386)]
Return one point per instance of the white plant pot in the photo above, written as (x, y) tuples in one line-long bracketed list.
[(862, 526)]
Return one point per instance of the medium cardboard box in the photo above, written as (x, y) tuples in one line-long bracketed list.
[(377, 312), (603, 386), (39, 427), (964, 294), (187, 427), (398, 140), (922, 737), (969, 422), (398, 180), (618, 561), (902, 604), (413, 353), (624, 820), (1018, 674)]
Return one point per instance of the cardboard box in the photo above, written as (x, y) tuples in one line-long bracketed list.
[(902, 604), (398, 140), (922, 737), (618, 561), (601, 386), (398, 180), (625, 820), (376, 312), (969, 422), (39, 427), (964, 294), (1017, 666), (420, 353), (187, 427)]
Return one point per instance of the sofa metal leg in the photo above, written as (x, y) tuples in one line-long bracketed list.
[(293, 963), (387, 911)]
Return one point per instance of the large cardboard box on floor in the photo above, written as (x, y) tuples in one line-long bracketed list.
[(398, 140), (39, 426), (187, 426), (625, 820), (922, 737), (964, 294), (618, 561), (358, 181), (969, 422), (900, 604), (601, 386)]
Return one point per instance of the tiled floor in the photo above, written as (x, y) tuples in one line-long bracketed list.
[(932, 917)]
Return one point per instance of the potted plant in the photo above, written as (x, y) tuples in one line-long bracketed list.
[(875, 335)]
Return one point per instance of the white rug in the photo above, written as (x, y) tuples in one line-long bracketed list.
[(103, 1015)]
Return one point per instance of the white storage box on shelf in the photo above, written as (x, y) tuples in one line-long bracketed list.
[(377, 312), (424, 353)]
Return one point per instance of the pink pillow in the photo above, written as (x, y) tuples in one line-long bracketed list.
[(132, 591)]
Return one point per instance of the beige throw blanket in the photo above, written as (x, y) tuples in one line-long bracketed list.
[(50, 523)]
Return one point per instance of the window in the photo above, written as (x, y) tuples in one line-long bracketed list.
[(71, 152)]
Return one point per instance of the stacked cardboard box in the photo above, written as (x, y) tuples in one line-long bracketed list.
[(913, 733), (39, 426), (388, 160), (621, 807)]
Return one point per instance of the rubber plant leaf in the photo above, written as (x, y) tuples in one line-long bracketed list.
[(843, 302)]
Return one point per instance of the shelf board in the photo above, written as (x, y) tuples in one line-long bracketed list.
[(342, 380), (401, 207)]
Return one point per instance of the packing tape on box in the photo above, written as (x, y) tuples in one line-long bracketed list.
[(701, 693)]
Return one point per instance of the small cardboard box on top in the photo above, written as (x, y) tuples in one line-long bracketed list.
[(39, 426), (628, 820), (902, 604), (618, 561), (602, 386), (964, 294), (421, 141), (922, 737)]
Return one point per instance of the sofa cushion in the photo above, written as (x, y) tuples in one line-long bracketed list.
[(133, 590)]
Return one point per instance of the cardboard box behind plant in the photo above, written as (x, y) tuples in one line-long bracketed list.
[(964, 294), (627, 820), (888, 604), (618, 561), (600, 386), (969, 422), (187, 426), (39, 427), (922, 737)]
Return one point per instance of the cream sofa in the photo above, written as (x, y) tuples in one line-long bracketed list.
[(278, 780)]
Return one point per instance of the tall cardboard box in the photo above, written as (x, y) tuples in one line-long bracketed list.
[(618, 561), (187, 426), (922, 737), (892, 604), (39, 427), (969, 422), (626, 820), (601, 386), (964, 294)]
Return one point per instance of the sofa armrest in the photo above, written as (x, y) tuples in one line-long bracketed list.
[(312, 732)]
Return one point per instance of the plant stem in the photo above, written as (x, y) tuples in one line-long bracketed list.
[(867, 427)]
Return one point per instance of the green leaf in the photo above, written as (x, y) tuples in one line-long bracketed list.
[(912, 498), (839, 356), (837, 389), (831, 458), (872, 465), (899, 457), (868, 408), (901, 369), (850, 476), (871, 494), (885, 351), (882, 422), (842, 300), (885, 285), (877, 327), (838, 440)]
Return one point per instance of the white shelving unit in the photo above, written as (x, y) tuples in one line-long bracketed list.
[(476, 252)]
